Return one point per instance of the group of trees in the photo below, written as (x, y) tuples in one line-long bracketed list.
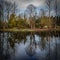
[(30, 19), (6, 8), (17, 22)]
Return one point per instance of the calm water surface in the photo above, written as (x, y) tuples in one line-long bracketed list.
[(29, 46)]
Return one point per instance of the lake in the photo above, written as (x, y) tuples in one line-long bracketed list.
[(29, 45)]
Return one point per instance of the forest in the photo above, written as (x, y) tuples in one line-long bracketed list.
[(29, 19)]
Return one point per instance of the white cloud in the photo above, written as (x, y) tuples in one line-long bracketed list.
[(25, 3), (22, 4)]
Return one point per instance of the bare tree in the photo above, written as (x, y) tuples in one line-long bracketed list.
[(1, 9), (8, 7), (48, 2), (14, 8), (43, 12), (1, 12), (31, 10), (56, 7)]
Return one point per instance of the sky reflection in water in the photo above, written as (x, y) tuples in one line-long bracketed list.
[(30, 46)]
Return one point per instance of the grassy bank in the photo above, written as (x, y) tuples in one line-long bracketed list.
[(29, 30)]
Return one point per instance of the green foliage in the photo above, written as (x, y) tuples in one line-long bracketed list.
[(21, 23), (12, 21), (46, 21), (37, 23), (17, 22)]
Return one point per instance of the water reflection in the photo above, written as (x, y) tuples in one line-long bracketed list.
[(29, 46), (30, 50)]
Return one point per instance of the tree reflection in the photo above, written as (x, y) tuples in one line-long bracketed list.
[(4, 48), (45, 43), (11, 41), (43, 40), (17, 38), (30, 49), (1, 46)]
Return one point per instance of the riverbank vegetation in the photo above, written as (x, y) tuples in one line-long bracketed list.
[(30, 19)]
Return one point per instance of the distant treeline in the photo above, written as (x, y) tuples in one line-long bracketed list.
[(29, 19), (40, 22)]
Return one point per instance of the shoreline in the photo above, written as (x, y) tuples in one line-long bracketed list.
[(29, 30)]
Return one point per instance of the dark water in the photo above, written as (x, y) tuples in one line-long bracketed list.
[(29, 46)]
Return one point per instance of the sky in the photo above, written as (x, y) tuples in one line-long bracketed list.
[(25, 3), (22, 4)]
